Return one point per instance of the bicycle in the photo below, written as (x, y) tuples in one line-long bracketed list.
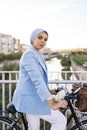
[(76, 114), (11, 123)]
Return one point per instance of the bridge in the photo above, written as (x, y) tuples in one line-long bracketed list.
[(51, 55)]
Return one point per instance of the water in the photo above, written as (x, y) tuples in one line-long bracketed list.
[(54, 69), (54, 65)]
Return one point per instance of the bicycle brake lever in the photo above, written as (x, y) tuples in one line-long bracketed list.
[(58, 89), (76, 90)]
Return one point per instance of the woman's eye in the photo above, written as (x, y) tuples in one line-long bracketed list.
[(40, 38)]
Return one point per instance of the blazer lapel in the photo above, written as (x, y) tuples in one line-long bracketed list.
[(42, 62), (40, 59)]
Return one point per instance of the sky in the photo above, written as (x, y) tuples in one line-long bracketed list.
[(64, 20)]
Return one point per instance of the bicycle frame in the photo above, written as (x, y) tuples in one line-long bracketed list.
[(24, 121), (72, 115), (69, 98)]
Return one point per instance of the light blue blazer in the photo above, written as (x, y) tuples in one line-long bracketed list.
[(31, 92)]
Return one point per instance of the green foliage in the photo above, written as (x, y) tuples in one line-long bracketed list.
[(79, 58), (66, 76), (6, 94), (47, 125), (2, 57), (65, 61), (10, 66), (11, 56)]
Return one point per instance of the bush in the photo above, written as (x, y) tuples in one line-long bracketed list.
[(10, 66), (79, 59), (66, 76), (65, 61), (11, 56)]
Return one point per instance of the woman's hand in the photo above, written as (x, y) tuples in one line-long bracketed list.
[(63, 104), (53, 91), (55, 106)]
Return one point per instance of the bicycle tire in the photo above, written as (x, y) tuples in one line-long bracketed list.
[(83, 127), (6, 124)]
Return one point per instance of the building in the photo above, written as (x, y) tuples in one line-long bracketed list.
[(8, 44), (23, 47)]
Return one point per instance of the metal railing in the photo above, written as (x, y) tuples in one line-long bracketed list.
[(8, 80)]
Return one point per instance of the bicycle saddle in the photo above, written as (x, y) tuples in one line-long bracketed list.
[(11, 108)]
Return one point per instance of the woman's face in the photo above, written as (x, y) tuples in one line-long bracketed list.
[(40, 41)]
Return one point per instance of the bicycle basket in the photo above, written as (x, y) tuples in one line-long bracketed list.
[(81, 102)]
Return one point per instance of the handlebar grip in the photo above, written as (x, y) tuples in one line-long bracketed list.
[(58, 89), (66, 98)]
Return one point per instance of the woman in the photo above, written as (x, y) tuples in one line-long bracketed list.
[(32, 95)]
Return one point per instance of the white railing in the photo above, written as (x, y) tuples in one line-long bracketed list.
[(8, 80)]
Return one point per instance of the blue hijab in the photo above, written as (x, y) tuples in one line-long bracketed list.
[(35, 33)]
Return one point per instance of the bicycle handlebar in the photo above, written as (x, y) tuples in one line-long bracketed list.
[(80, 85), (68, 95)]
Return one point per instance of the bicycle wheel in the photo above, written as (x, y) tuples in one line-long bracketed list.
[(83, 125), (6, 124)]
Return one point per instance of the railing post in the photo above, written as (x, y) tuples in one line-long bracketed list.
[(3, 92), (10, 88)]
